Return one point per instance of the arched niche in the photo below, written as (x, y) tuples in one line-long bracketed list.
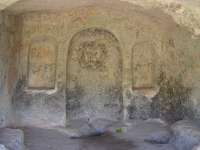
[(42, 56), (143, 66), (94, 75)]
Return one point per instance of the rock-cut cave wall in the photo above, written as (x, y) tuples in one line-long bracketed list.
[(106, 62), (9, 30)]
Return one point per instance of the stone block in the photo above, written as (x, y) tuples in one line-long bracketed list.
[(186, 134), (13, 139)]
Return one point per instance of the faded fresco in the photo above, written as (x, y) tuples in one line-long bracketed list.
[(42, 65)]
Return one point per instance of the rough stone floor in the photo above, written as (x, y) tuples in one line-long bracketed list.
[(134, 135), (43, 139), (134, 139)]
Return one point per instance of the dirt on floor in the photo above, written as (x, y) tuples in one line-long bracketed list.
[(46, 139), (50, 139)]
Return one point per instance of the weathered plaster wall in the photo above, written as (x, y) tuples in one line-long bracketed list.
[(59, 73), (8, 68), (184, 12)]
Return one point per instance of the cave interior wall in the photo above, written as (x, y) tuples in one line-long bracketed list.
[(98, 61)]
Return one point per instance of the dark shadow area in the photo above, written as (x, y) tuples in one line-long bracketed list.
[(105, 142)]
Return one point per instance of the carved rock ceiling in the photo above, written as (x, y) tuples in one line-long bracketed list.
[(184, 12), (6, 3)]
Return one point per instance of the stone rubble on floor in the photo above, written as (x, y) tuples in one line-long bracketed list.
[(186, 134), (152, 133), (13, 139), (2, 147), (196, 147)]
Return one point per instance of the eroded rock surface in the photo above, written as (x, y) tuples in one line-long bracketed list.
[(196, 147), (2, 147), (13, 139), (186, 134), (150, 131)]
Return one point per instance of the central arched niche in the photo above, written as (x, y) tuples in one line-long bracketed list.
[(94, 75)]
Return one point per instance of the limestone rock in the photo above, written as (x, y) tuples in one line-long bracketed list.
[(196, 147), (150, 131), (2, 147), (13, 139), (184, 12), (186, 134)]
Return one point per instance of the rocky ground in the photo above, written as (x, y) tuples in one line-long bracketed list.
[(105, 135), (11, 139)]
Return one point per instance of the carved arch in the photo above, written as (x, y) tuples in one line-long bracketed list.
[(94, 75)]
